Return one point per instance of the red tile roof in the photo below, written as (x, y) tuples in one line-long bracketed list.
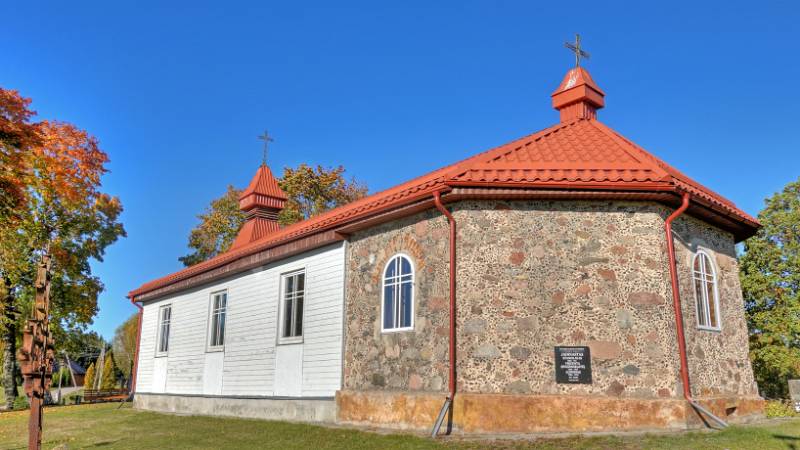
[(261, 202), (254, 229), (263, 183), (578, 154)]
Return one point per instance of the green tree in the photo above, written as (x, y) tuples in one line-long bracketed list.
[(217, 230), (80, 345), (124, 345), (89, 377), (311, 191), (109, 380), (770, 276)]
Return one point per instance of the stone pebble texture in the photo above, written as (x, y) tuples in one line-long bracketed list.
[(532, 275), (718, 360)]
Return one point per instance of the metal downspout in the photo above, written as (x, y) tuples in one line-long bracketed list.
[(676, 303), (136, 354), (448, 403)]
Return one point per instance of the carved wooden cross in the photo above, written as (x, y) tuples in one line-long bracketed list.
[(576, 48)]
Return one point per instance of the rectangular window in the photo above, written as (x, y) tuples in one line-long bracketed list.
[(292, 307), (219, 305), (164, 318)]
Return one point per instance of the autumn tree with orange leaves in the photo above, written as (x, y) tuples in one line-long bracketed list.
[(50, 201)]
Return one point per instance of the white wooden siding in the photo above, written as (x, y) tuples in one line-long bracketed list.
[(248, 359)]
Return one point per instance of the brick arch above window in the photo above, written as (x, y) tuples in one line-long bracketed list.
[(405, 244)]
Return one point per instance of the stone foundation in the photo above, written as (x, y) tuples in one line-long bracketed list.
[(290, 409), (498, 413)]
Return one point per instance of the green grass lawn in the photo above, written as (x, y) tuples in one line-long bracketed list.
[(103, 425)]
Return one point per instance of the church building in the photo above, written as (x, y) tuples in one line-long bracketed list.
[(567, 281)]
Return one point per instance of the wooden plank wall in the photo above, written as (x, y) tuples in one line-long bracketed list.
[(248, 366)]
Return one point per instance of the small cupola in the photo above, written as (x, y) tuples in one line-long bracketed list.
[(578, 96), (261, 202)]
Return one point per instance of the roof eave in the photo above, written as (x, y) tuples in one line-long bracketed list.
[(454, 191), (141, 291)]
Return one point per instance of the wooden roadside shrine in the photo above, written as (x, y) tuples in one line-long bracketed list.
[(36, 354)]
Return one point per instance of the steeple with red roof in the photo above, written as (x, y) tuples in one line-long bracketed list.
[(578, 96), (261, 202)]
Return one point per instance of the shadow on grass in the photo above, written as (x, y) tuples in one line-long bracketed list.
[(103, 443), (792, 440)]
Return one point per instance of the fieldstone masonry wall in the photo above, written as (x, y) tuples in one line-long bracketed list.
[(533, 275), (718, 360), (415, 360), (540, 274)]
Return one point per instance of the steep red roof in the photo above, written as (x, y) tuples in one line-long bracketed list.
[(261, 202), (263, 183), (577, 154), (253, 230)]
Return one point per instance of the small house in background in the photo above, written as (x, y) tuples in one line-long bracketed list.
[(568, 280), (77, 371)]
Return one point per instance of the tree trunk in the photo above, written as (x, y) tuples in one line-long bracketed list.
[(9, 337)]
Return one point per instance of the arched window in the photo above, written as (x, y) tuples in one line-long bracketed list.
[(398, 294), (705, 291)]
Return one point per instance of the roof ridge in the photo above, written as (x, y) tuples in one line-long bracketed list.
[(642, 153), (667, 168), (264, 183), (508, 146), (434, 177)]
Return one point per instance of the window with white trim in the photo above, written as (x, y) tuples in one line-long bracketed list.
[(164, 318), (216, 331), (398, 295), (292, 307), (704, 276)]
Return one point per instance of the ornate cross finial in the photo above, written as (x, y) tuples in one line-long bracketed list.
[(267, 139), (576, 48)]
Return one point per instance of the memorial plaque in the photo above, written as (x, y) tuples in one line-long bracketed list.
[(573, 365)]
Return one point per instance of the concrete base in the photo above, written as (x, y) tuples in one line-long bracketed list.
[(496, 413), (318, 410)]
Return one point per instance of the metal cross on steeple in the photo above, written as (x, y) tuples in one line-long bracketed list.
[(267, 139), (576, 48)]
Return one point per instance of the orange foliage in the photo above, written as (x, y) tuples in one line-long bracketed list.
[(17, 136), (68, 163)]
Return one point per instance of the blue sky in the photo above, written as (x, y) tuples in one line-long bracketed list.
[(178, 91)]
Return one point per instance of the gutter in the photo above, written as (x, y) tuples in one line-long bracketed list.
[(676, 304), (136, 353), (448, 403)]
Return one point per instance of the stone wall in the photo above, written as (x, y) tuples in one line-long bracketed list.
[(718, 360), (415, 360), (540, 274), (531, 275), (503, 413)]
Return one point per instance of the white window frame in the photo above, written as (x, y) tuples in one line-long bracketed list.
[(160, 329), (211, 312), (706, 301), (397, 285), (282, 308)]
